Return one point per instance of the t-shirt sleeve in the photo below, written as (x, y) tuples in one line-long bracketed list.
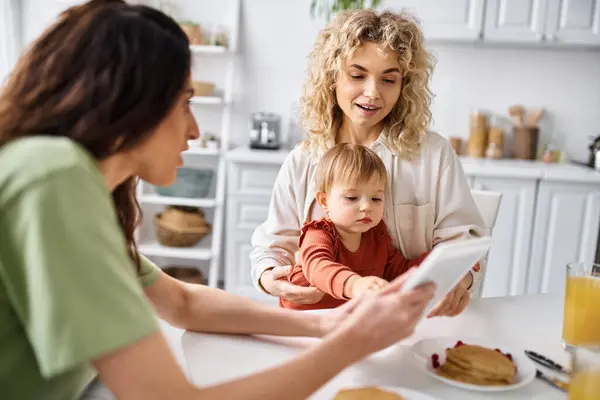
[(148, 272), (68, 275)]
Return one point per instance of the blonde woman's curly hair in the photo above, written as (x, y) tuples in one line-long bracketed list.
[(408, 121)]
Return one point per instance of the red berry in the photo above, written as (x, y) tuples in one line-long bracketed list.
[(458, 344), (436, 364), (498, 350), (509, 356), (435, 357)]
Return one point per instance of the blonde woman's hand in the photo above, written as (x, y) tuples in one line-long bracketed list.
[(456, 301), (275, 282), (377, 320)]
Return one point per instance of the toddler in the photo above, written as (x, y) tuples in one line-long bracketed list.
[(350, 251)]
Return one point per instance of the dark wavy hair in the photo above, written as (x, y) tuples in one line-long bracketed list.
[(104, 75)]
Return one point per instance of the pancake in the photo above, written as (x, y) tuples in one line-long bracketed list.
[(367, 393), (478, 365)]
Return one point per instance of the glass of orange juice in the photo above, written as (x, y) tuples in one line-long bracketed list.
[(585, 374), (581, 323)]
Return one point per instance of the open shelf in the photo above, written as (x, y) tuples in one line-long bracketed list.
[(208, 49), (155, 249), (209, 100), (203, 151), (216, 64), (177, 201)]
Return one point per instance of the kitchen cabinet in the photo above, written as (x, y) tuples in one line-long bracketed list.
[(447, 19), (251, 176), (508, 259), (539, 22), (565, 230), (573, 22), (515, 20)]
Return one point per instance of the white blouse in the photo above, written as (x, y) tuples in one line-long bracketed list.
[(427, 201)]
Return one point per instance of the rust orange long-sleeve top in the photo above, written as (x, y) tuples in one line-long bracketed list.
[(327, 264)]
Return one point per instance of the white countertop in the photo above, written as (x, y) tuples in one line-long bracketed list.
[(525, 322), (504, 168), (560, 172)]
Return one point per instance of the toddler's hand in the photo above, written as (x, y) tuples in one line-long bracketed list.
[(366, 284)]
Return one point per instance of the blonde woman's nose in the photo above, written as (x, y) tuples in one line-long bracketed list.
[(371, 89)]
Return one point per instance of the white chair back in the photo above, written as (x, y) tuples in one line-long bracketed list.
[(488, 204)]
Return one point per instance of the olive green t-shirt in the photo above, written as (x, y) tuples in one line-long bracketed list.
[(68, 289)]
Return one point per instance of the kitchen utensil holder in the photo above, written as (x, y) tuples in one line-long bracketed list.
[(525, 142)]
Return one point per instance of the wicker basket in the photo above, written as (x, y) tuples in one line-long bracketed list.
[(185, 274), (174, 236)]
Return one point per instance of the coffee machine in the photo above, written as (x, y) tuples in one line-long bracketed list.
[(265, 129)]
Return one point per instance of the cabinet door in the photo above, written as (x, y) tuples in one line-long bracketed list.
[(238, 272), (445, 20), (574, 22), (515, 20), (566, 229), (508, 259)]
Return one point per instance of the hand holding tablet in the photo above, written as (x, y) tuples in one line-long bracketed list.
[(446, 265)]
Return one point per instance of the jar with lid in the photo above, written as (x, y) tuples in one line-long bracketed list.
[(495, 147)]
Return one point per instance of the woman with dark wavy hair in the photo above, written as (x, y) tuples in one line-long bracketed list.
[(98, 101)]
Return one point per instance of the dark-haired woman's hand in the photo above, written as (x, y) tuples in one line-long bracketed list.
[(376, 320), (275, 282)]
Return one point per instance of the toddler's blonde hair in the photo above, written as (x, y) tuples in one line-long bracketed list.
[(348, 163), (408, 121)]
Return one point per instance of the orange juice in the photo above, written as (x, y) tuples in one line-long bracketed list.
[(585, 386), (581, 325)]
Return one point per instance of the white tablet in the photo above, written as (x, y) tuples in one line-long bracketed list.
[(446, 265)]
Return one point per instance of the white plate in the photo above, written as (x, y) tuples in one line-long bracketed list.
[(423, 350), (408, 394)]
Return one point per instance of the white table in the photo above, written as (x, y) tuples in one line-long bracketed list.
[(527, 322)]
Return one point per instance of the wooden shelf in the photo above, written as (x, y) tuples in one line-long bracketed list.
[(203, 151), (207, 49), (176, 201), (155, 249), (214, 100)]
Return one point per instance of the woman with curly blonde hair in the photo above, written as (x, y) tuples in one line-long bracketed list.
[(368, 83)]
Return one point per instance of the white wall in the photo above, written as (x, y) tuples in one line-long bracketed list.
[(276, 36)]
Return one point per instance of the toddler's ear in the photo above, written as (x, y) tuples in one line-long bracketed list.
[(322, 200)]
